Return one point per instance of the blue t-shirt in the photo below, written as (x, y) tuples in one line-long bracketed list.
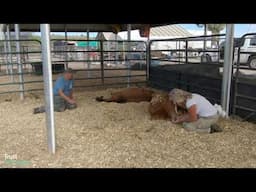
[(63, 84)]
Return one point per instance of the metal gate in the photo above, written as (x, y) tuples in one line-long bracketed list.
[(99, 64), (244, 82), (16, 65), (185, 67)]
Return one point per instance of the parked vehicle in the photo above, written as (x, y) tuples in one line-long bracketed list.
[(247, 44)]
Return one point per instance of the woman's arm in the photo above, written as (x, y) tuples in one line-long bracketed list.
[(188, 117)]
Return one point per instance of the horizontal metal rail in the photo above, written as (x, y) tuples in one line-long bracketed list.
[(246, 97)]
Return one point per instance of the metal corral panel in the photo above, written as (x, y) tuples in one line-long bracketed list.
[(206, 81)]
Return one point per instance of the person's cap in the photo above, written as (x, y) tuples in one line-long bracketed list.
[(69, 70)]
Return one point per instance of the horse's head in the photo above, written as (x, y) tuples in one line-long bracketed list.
[(157, 101)]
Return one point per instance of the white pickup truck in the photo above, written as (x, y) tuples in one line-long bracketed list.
[(247, 45)]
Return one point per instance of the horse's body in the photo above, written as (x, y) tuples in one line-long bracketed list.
[(129, 95)]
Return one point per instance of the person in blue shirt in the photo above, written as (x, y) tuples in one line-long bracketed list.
[(63, 93)]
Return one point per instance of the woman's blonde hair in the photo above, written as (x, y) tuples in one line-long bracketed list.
[(179, 95)]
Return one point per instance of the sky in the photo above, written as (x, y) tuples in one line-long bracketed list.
[(239, 30)]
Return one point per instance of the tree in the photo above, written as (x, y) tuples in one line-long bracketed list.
[(205, 32), (215, 29)]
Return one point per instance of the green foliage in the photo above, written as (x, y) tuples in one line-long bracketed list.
[(215, 28)]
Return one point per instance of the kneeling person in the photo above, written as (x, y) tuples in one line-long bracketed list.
[(202, 115), (63, 93)]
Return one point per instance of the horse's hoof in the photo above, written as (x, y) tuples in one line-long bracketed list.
[(99, 98)]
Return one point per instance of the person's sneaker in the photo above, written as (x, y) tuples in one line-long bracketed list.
[(215, 128)]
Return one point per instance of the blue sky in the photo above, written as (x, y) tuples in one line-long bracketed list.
[(239, 30)]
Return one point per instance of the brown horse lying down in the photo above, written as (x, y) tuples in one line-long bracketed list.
[(129, 95), (161, 107)]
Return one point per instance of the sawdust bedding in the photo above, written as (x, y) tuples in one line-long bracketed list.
[(112, 135)]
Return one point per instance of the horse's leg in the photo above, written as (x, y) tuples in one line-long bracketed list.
[(101, 98)]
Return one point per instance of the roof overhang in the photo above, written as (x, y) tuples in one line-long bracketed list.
[(81, 27)]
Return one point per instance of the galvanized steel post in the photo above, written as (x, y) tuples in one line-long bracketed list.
[(88, 54), (205, 33), (18, 56), (66, 47), (6, 54), (116, 49), (227, 67), (148, 59), (102, 61), (10, 65), (129, 54), (47, 75)]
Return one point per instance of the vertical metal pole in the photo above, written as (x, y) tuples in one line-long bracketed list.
[(236, 80), (179, 52), (88, 53), (2, 38), (6, 54), (66, 47), (227, 68), (10, 67), (129, 54), (116, 49), (148, 59), (18, 55), (205, 33), (109, 55), (186, 51), (123, 48), (47, 75), (102, 61)]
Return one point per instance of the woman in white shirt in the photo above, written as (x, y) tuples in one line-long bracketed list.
[(202, 115)]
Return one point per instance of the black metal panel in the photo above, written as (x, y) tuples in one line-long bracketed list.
[(207, 84)]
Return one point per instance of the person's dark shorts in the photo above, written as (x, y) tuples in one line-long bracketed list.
[(60, 104)]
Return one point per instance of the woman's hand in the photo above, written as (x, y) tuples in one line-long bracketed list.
[(178, 119)]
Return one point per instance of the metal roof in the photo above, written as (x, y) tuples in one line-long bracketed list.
[(169, 31), (79, 27), (107, 36)]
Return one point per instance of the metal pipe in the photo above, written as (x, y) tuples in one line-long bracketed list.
[(148, 59), (66, 47), (47, 75), (123, 48), (227, 68), (10, 67), (205, 33), (18, 56), (2, 38), (5, 54), (129, 54), (108, 50), (88, 53), (116, 49), (186, 52), (102, 62)]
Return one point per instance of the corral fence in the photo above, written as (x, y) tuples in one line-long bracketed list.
[(188, 68), (16, 65), (194, 64), (97, 63)]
